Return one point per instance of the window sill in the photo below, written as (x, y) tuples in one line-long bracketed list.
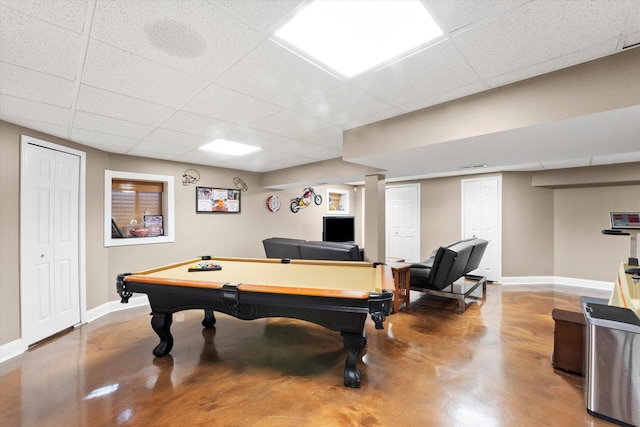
[(129, 241)]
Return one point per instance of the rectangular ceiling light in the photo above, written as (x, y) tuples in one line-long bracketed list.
[(223, 146), (353, 36)]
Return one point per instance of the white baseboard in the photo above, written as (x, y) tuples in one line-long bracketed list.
[(557, 280), (12, 349), (527, 280), (113, 306), (17, 347)]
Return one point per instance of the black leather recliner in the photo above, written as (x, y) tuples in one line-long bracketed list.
[(448, 264)]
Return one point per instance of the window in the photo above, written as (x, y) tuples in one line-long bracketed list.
[(139, 208), (337, 201)]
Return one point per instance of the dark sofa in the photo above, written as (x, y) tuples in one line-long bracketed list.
[(446, 265), (283, 247)]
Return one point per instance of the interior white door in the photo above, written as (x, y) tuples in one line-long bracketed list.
[(50, 277), (402, 213), (481, 217)]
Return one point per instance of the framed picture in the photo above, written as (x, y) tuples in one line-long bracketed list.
[(212, 200), (154, 224)]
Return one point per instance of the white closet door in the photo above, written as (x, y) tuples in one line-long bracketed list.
[(50, 280), (481, 217), (402, 213)]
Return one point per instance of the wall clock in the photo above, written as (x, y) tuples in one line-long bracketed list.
[(273, 203)]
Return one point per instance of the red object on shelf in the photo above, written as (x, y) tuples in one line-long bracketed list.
[(139, 232)]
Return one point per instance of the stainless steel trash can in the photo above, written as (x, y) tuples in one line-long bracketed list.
[(612, 363)]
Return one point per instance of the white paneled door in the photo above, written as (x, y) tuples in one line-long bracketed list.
[(50, 287), (481, 217), (402, 215)]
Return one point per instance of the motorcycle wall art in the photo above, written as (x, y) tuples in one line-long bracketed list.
[(303, 201)]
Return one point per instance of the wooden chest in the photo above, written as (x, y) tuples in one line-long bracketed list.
[(568, 341)]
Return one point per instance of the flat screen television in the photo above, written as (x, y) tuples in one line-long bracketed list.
[(338, 229)]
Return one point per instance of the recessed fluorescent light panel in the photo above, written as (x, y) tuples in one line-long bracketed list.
[(353, 36), (223, 146)]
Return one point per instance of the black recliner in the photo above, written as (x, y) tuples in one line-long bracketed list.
[(448, 264)]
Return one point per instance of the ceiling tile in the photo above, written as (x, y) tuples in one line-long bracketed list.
[(291, 124), (110, 125), (148, 147), (453, 15), (305, 149), (633, 20), (226, 104), (554, 64), (539, 31), (261, 15), (264, 161), (197, 124), (632, 39), (105, 103), (61, 131), (154, 154), (192, 36), (176, 74), (38, 45), (109, 68), (202, 157), (430, 72), (24, 83), (341, 105), (428, 101), (66, 14), (11, 106), (94, 138), (330, 137), (256, 137), (109, 148), (275, 74), (187, 141)]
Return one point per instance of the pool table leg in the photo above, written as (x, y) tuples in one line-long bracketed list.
[(354, 344), (209, 319), (161, 324)]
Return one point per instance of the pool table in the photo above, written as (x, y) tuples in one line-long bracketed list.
[(338, 295)]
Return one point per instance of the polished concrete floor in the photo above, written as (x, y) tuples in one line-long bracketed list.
[(430, 366)]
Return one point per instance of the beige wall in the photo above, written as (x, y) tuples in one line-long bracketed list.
[(196, 234), (440, 215), (527, 227), (580, 214), (9, 235)]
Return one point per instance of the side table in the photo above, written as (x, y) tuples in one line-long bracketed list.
[(401, 278)]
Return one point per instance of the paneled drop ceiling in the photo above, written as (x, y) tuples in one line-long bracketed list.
[(160, 78)]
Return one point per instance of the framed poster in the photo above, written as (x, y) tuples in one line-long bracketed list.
[(154, 224), (212, 200)]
